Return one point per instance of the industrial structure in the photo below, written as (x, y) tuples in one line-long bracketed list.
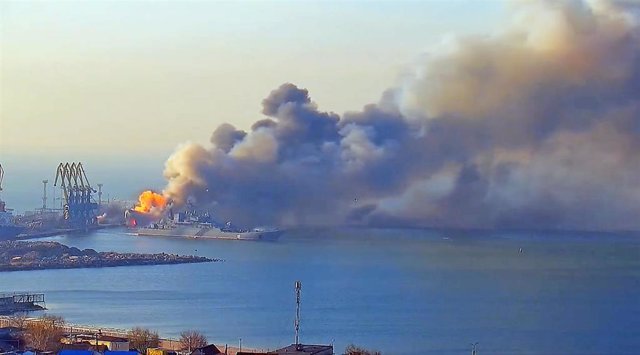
[(79, 209)]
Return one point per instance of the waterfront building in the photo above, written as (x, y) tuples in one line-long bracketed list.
[(297, 349), (129, 352), (160, 351), (210, 349), (109, 342), (75, 352), (302, 349)]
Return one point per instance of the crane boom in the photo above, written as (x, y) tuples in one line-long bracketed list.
[(79, 208)]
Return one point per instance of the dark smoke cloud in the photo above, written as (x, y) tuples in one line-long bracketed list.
[(537, 127)]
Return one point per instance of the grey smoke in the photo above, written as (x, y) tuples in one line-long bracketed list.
[(537, 127)]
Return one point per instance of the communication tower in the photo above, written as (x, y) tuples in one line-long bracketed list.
[(474, 348), (298, 286)]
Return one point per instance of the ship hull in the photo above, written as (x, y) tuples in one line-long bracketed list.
[(207, 233)]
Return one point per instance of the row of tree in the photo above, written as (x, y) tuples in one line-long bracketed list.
[(46, 333), (356, 350), (142, 338)]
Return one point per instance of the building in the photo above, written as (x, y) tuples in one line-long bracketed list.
[(302, 349), (77, 346), (210, 349), (109, 342), (75, 352), (121, 352), (113, 343), (160, 351)]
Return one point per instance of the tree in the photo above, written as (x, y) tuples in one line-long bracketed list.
[(19, 321), (192, 339), (356, 350), (141, 339), (18, 339), (45, 333)]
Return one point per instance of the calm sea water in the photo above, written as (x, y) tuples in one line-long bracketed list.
[(398, 291)]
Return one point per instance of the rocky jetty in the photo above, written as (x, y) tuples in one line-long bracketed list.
[(19, 255)]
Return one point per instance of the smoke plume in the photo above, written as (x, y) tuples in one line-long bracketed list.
[(538, 126)]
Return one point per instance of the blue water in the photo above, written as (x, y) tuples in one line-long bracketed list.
[(398, 291)]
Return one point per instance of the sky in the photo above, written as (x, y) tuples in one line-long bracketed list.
[(119, 84), (466, 114), (155, 74)]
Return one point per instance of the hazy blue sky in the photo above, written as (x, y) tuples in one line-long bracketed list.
[(149, 75), (135, 79)]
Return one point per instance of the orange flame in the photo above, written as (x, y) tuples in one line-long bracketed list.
[(149, 200)]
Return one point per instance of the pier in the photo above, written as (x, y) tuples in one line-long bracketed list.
[(21, 302)]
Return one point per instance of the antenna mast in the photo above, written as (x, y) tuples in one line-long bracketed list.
[(1, 176), (298, 286), (44, 195), (2, 205), (100, 194)]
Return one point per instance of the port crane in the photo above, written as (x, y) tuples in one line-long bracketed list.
[(79, 208)]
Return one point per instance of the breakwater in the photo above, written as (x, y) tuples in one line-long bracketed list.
[(21, 255)]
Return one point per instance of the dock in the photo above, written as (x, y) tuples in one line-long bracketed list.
[(21, 302)]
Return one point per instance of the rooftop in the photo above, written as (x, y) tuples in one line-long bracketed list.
[(210, 349), (101, 338), (303, 349)]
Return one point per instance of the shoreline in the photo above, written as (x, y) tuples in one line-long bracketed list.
[(167, 343)]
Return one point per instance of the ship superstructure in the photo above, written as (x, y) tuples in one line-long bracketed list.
[(193, 224)]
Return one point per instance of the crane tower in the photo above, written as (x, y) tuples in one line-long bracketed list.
[(79, 207)]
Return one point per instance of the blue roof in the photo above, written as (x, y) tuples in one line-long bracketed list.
[(75, 352), (120, 352)]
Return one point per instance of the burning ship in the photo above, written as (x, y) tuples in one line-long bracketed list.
[(8, 228), (154, 216)]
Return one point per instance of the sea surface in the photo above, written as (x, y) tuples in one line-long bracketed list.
[(398, 291)]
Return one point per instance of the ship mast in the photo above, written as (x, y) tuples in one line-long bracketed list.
[(2, 205)]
